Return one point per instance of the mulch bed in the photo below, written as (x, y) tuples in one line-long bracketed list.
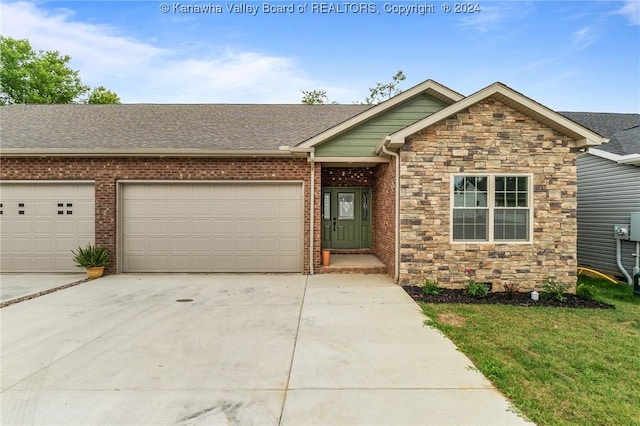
[(517, 299)]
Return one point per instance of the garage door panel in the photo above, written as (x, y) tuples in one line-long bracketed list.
[(212, 227), (224, 227), (224, 208), (42, 222)]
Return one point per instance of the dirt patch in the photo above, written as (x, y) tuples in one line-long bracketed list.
[(517, 299), (453, 320)]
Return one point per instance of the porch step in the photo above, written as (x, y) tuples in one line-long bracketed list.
[(353, 270), (353, 264)]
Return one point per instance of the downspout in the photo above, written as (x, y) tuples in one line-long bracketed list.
[(312, 199), (311, 159), (396, 276)]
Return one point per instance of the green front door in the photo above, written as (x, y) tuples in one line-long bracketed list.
[(346, 218)]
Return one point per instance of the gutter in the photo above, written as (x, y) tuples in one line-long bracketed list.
[(383, 148), (312, 193), (140, 152)]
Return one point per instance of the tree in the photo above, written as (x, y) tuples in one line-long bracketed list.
[(377, 94), (27, 77), (382, 92), (315, 97), (101, 95)]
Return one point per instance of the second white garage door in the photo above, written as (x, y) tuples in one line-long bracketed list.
[(212, 227)]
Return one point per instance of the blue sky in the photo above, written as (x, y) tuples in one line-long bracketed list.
[(567, 55)]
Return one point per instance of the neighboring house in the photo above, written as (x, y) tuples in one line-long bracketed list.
[(263, 188), (608, 189)]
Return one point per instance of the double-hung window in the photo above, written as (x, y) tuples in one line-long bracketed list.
[(491, 207)]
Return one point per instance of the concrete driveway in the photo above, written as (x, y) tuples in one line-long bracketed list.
[(245, 350), (15, 286)]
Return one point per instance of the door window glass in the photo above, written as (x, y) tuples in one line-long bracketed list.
[(326, 211), (346, 202)]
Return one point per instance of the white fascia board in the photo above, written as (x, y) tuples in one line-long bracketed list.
[(351, 160), (633, 159), (139, 152), (583, 136), (427, 86)]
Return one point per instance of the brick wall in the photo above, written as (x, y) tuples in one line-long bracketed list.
[(317, 219), (347, 176), (488, 137), (384, 215), (107, 171)]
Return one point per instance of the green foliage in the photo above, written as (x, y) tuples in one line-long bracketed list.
[(475, 289), (383, 92), (90, 256), (554, 289), (27, 77), (586, 291), (101, 95), (511, 290), (430, 288), (315, 97)]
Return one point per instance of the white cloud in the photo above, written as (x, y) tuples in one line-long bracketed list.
[(142, 72), (584, 37), (496, 16), (631, 10)]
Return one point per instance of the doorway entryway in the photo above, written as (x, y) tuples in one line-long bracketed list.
[(346, 218)]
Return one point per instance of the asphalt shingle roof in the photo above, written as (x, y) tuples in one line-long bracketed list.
[(211, 126), (219, 126), (622, 130)]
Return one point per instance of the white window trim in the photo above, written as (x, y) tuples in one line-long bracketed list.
[(491, 207)]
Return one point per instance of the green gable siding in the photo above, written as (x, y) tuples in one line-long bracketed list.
[(361, 141)]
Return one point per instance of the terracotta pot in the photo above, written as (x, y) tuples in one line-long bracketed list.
[(95, 272), (326, 257)]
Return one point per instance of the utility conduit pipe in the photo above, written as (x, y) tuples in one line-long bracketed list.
[(619, 262)]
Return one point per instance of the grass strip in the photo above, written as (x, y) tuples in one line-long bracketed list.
[(559, 366)]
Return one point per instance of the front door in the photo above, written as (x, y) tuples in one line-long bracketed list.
[(346, 218)]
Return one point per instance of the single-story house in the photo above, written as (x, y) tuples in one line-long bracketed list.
[(431, 182), (608, 190)]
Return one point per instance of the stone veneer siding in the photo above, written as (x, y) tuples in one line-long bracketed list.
[(107, 171), (488, 137)]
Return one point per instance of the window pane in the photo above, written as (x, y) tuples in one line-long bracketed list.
[(511, 224), (470, 224), (470, 191), (523, 200), (523, 183)]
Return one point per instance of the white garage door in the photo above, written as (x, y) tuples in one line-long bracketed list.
[(40, 223), (212, 227)]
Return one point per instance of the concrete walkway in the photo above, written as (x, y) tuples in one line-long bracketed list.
[(247, 350)]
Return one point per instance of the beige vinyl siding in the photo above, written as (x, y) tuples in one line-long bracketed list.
[(361, 141)]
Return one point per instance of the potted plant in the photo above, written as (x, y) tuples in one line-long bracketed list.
[(93, 258)]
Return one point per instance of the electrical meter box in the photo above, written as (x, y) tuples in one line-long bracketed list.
[(634, 228)]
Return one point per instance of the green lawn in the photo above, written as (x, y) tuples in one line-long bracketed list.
[(559, 366)]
